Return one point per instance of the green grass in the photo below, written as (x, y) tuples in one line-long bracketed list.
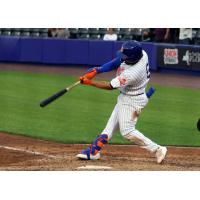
[(170, 117)]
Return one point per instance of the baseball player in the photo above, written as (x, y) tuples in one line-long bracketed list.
[(131, 80)]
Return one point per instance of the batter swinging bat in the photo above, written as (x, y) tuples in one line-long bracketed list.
[(57, 95)]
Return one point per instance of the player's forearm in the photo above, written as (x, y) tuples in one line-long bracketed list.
[(98, 84), (102, 85)]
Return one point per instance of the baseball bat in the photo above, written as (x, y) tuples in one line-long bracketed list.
[(58, 94), (198, 124)]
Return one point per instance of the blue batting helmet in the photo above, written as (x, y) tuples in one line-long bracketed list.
[(131, 51)]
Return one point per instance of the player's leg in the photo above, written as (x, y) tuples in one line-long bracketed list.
[(128, 119), (93, 152), (128, 116), (113, 124)]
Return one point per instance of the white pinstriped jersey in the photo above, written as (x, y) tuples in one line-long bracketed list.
[(132, 79)]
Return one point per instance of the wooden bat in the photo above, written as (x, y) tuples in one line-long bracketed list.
[(58, 94)]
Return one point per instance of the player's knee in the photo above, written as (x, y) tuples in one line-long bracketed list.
[(128, 134), (126, 129), (134, 137), (128, 125)]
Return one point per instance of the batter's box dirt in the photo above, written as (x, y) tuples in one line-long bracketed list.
[(9, 157), (23, 153)]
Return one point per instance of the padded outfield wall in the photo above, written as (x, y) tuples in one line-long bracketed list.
[(94, 52)]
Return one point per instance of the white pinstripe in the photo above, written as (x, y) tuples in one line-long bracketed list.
[(129, 103)]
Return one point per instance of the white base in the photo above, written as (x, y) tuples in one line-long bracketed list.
[(93, 167)]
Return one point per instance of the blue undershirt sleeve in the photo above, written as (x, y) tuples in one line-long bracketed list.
[(109, 66)]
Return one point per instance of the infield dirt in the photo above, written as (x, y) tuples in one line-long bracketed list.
[(23, 153)]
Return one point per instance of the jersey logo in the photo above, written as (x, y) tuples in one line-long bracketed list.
[(120, 70), (122, 81)]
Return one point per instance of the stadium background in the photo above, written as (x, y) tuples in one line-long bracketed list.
[(34, 66)]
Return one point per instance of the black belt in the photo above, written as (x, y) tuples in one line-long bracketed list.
[(132, 94)]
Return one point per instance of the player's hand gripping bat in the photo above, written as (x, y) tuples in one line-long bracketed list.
[(57, 95)]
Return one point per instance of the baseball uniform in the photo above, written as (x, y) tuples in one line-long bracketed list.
[(131, 80)]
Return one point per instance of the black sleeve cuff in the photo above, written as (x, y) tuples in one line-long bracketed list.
[(111, 86)]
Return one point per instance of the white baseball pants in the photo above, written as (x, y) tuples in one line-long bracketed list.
[(124, 118)]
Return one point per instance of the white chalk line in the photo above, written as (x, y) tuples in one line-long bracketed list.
[(30, 152)]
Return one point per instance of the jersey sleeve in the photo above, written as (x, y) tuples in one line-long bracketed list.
[(125, 79), (109, 66)]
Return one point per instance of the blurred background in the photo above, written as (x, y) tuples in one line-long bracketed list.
[(167, 35)]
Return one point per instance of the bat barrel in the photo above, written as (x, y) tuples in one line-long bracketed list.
[(53, 98), (57, 95)]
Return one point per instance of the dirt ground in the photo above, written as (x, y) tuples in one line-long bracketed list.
[(24, 153)]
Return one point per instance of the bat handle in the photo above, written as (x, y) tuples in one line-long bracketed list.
[(72, 86)]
